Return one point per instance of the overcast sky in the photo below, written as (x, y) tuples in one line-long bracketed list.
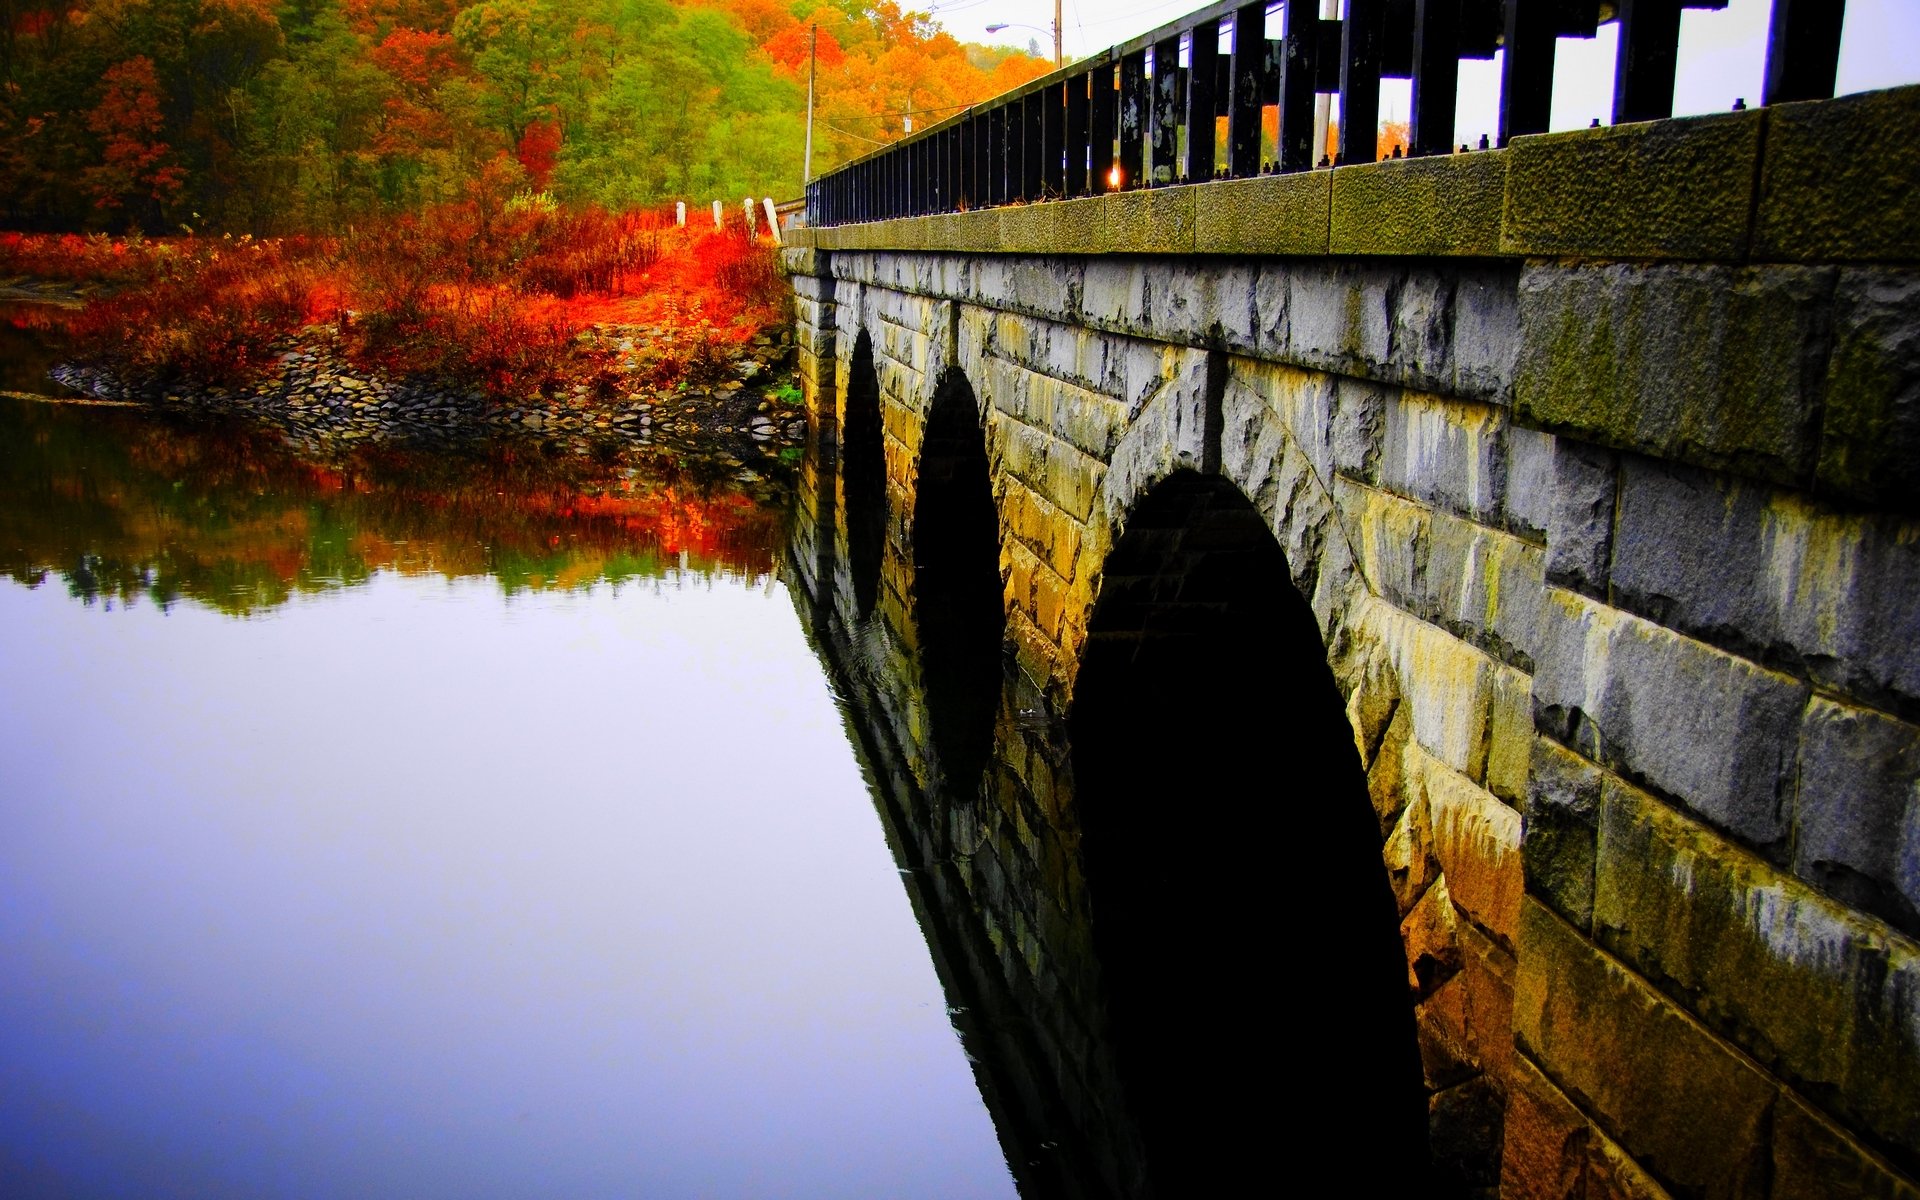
[(1721, 53)]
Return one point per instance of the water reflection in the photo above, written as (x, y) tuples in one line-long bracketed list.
[(472, 872), (120, 506)]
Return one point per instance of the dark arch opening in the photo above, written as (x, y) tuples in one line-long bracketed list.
[(1246, 930), (957, 595), (863, 467)]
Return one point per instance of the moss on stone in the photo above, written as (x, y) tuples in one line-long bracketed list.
[(1839, 180), (1445, 205), (1658, 189), (1274, 214)]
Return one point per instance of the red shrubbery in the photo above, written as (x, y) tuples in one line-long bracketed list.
[(481, 292)]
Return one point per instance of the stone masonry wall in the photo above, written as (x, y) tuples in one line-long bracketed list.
[(1608, 518)]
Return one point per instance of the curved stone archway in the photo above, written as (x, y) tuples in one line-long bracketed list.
[(863, 470), (958, 601), (1242, 914)]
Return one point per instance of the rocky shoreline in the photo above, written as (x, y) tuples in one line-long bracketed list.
[(746, 407)]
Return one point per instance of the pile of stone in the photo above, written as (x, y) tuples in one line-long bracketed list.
[(748, 409)]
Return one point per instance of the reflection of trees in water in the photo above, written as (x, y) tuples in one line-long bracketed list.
[(122, 506)]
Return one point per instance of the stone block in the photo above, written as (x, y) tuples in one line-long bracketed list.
[(1719, 366), (1466, 1023), (1431, 935), (1408, 855), (1268, 215), (1205, 303), (1686, 1105), (1447, 683), (1485, 586), (801, 261), (1476, 841), (1510, 736), (1713, 731), (1530, 483), (1391, 538), (1613, 1175), (1656, 189), (1448, 453), (1359, 426), (1386, 774), (1444, 205), (1770, 574), (1465, 1123), (1545, 1150), (1561, 830), (1827, 998), (1486, 331), (1836, 181), (1113, 293), (1814, 1159), (1153, 221), (1870, 439)]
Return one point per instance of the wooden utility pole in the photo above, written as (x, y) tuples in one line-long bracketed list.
[(813, 49), (1058, 60)]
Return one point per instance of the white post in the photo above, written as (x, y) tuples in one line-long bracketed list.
[(748, 205), (719, 222), (773, 222), (680, 213)]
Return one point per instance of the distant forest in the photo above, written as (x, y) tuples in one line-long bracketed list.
[(168, 116)]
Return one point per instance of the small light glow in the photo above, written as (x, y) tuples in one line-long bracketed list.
[(1113, 178)]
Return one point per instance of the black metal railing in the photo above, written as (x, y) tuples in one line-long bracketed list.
[(1146, 113)]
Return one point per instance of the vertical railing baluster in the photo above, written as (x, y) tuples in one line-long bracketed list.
[(1649, 52), (1526, 68), (1165, 136), (1803, 50), (997, 155), (1133, 116), (1361, 43), (1076, 139), (1436, 76), (1033, 161), (1249, 68), (1105, 115), (1053, 113), (1298, 71), (1203, 66)]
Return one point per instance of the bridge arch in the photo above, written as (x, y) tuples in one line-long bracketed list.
[(863, 471), (958, 599), (1230, 846)]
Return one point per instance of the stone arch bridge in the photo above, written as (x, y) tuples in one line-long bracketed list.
[(1460, 621)]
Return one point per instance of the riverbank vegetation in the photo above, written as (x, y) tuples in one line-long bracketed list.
[(494, 292), (263, 118)]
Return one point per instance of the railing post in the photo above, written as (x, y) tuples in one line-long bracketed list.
[(1649, 52), (1361, 42), (996, 164), (1105, 107), (1803, 50), (1133, 116), (1053, 113), (1249, 68), (1436, 76), (1033, 147), (1077, 146), (1165, 163), (1298, 71), (1203, 68), (1526, 68)]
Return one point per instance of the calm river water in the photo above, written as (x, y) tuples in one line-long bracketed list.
[(416, 826)]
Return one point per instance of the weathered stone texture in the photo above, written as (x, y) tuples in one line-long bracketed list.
[(1441, 205), (1814, 1160), (1836, 182), (1691, 1111), (1870, 440), (1707, 728), (1579, 512), (1796, 980), (1857, 808), (1562, 830), (1656, 189), (1718, 366), (1770, 574)]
